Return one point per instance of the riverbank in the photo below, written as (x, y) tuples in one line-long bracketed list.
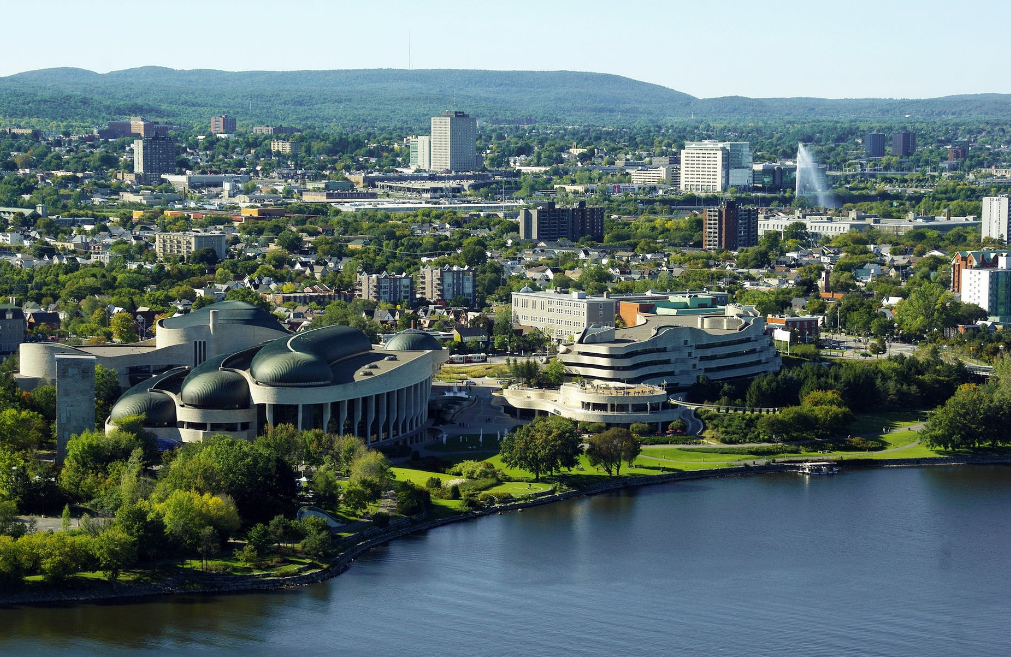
[(405, 526)]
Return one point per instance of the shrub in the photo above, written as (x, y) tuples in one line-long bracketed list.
[(433, 482), (640, 428), (380, 519), (454, 492), (473, 469)]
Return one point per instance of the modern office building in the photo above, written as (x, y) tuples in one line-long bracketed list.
[(989, 288), (560, 315), (713, 166), (182, 245), (446, 283), (454, 142), (771, 177), (546, 221), (673, 351), (12, 328), (995, 218), (152, 157), (903, 143), (668, 174), (874, 144), (397, 289), (141, 127), (328, 378), (223, 125), (421, 153), (732, 226)]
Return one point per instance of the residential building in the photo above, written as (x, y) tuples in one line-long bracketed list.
[(990, 289), (152, 157), (397, 289), (804, 328), (996, 218), (454, 142), (421, 153), (903, 143), (874, 144), (673, 351), (561, 315), (283, 146), (963, 260), (446, 283), (714, 166), (546, 221), (223, 125), (273, 130), (731, 226), (169, 245), (12, 328)]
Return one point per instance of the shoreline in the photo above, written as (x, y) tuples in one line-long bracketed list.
[(406, 526)]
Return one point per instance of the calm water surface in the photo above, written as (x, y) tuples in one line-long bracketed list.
[(884, 562)]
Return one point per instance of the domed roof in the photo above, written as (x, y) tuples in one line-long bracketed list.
[(413, 340), (305, 359), (157, 408), (215, 389), (229, 312)]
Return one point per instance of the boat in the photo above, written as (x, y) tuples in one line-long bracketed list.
[(818, 468)]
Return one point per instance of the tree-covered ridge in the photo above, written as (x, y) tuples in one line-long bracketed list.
[(407, 98)]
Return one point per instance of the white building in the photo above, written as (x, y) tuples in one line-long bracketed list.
[(561, 315), (714, 166), (995, 218), (655, 175), (989, 288), (167, 245), (421, 153), (454, 142)]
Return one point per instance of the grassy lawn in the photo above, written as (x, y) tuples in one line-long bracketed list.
[(419, 477), (520, 488), (873, 422)]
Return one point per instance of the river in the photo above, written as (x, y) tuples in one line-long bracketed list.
[(882, 562)]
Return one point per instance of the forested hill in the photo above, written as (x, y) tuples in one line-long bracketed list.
[(405, 99)]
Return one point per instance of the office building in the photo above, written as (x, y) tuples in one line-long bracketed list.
[(421, 153), (874, 145), (222, 125), (989, 288), (771, 177), (331, 379), (446, 284), (546, 221), (665, 174), (454, 142), (995, 216), (712, 166), (397, 289), (182, 245), (152, 157), (903, 143), (673, 351), (730, 227), (560, 315)]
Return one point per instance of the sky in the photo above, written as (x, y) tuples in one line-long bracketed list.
[(706, 48)]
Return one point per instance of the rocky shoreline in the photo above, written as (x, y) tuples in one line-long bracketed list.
[(405, 526)]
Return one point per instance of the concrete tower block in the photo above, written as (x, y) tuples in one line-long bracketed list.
[(75, 398)]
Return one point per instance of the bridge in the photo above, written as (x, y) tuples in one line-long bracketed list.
[(984, 371)]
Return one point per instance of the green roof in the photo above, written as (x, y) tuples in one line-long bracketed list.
[(413, 340), (209, 386), (306, 358), (229, 312), (157, 407)]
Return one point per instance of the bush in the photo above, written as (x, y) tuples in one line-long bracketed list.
[(454, 492), (381, 519), (218, 568), (433, 482), (473, 469), (640, 428)]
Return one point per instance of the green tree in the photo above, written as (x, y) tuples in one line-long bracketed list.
[(610, 448), (544, 446), (248, 295), (115, 550)]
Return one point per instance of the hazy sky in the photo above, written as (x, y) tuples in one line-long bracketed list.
[(757, 48)]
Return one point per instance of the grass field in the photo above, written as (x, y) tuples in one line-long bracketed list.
[(873, 422), (465, 443)]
